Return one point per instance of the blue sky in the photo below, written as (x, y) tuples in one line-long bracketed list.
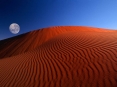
[(36, 14)]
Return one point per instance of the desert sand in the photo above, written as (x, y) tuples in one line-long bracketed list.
[(61, 56)]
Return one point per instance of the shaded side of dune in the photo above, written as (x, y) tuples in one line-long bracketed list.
[(74, 59)]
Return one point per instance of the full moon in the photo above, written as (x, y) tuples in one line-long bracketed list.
[(14, 28)]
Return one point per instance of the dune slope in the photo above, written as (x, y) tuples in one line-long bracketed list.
[(34, 39), (68, 57)]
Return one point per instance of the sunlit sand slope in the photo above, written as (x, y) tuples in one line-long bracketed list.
[(71, 59)]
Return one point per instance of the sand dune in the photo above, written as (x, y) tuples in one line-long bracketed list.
[(34, 39), (60, 57)]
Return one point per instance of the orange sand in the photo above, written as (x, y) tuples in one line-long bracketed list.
[(60, 57)]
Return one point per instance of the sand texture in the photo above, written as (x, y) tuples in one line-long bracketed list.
[(63, 56)]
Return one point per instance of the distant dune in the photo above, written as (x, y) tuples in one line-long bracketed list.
[(64, 56)]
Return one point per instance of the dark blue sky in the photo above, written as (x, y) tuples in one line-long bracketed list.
[(36, 14)]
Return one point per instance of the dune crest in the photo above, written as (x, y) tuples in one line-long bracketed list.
[(34, 39), (60, 57)]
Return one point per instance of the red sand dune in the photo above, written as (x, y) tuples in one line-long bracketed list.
[(60, 57)]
